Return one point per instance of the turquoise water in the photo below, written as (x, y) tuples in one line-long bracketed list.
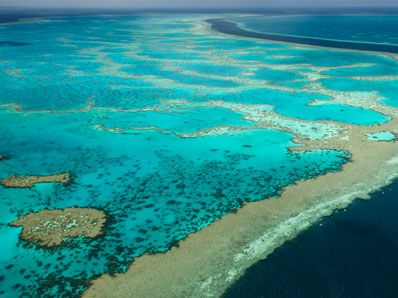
[(314, 56), (179, 121), (383, 136), (386, 69), (359, 28), (107, 99), (387, 90)]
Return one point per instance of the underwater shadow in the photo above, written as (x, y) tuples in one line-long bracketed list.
[(10, 43)]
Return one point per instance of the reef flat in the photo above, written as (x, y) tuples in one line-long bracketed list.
[(206, 270), (30, 181), (51, 228), (225, 146)]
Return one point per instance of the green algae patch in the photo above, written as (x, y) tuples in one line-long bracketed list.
[(49, 228), (30, 181)]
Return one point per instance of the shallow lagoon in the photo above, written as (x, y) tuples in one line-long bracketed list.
[(157, 188), (79, 104)]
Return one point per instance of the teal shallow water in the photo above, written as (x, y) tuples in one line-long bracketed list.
[(387, 90), (77, 98), (383, 136), (156, 188)]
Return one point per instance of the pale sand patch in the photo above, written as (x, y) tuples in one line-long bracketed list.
[(393, 161)]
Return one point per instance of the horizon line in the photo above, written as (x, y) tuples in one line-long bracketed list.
[(200, 7)]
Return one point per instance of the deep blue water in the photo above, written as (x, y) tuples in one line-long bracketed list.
[(357, 32), (360, 28), (353, 253)]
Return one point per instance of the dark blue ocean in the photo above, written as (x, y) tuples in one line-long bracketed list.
[(353, 253), (361, 31)]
